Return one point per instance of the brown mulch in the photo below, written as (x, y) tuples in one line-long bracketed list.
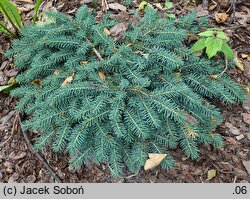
[(231, 163)]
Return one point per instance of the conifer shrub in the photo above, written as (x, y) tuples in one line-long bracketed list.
[(114, 102)]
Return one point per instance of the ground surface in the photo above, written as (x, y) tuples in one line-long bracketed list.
[(231, 164)]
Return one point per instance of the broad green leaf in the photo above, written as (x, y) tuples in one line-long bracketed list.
[(213, 46), (4, 87), (228, 52), (171, 16), (11, 12), (223, 36), (38, 3), (10, 86), (216, 29), (7, 88), (168, 4), (199, 45), (208, 33), (5, 30), (144, 4)]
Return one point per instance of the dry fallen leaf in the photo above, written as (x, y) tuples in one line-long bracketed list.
[(37, 82), (154, 160), (142, 53), (68, 79), (221, 17), (159, 6), (245, 56), (238, 63), (213, 76), (105, 30), (211, 174), (191, 134), (84, 62), (102, 76)]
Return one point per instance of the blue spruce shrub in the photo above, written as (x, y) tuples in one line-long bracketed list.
[(125, 99)]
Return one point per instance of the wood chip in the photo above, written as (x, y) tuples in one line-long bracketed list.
[(117, 7), (246, 118), (19, 155), (240, 137), (11, 72), (247, 165)]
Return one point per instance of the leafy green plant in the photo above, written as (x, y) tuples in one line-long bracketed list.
[(36, 8), (10, 86), (117, 102), (11, 13), (144, 4), (214, 40), (6, 30), (168, 4)]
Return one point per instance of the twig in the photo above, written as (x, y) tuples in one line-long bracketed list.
[(235, 179), (97, 54), (131, 176), (39, 155), (95, 51), (233, 4), (105, 5), (224, 69)]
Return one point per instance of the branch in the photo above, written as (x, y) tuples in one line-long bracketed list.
[(39, 155)]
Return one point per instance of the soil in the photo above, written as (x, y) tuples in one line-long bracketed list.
[(230, 163)]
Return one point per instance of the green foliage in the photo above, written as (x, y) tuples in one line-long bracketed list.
[(10, 86), (36, 8), (11, 13), (144, 4), (170, 15), (168, 4), (214, 40), (5, 30), (151, 84)]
